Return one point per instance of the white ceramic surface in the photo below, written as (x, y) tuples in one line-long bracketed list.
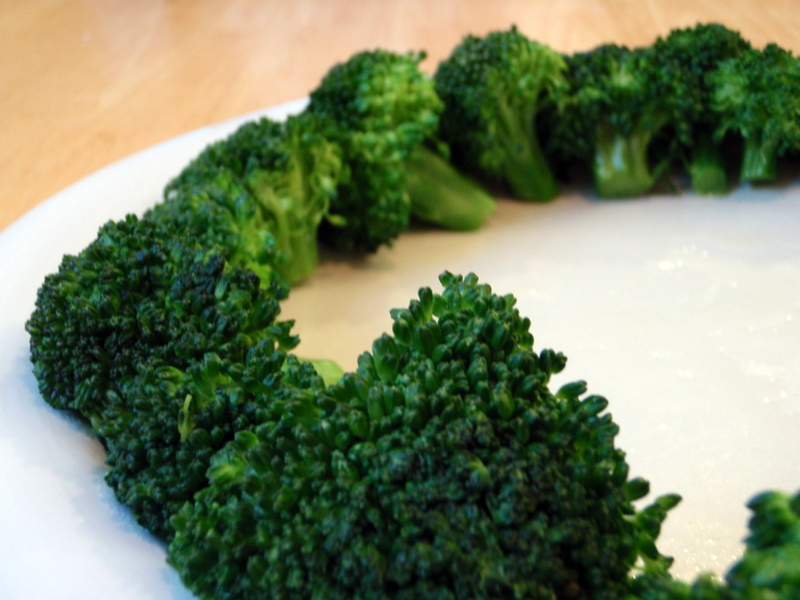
[(683, 311)]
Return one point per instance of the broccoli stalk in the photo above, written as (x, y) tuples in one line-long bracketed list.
[(706, 165), (621, 165), (760, 157), (493, 89), (755, 96), (444, 196)]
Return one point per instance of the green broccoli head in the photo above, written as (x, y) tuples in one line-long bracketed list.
[(218, 211), (276, 179), (493, 88), (380, 108), (768, 570), (770, 566), (614, 109), (141, 293), (685, 57), (756, 97), (165, 424), (443, 467)]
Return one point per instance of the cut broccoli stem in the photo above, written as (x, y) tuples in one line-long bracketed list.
[(621, 168), (525, 167), (759, 158), (442, 195), (707, 166)]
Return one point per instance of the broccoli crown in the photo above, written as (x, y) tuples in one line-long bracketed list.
[(770, 566), (616, 105), (493, 88), (276, 178), (443, 467), (381, 107), (137, 294), (166, 424), (614, 87), (768, 570), (756, 97), (685, 57), (218, 211)]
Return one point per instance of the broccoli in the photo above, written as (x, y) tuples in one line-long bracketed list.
[(768, 570), (493, 89), (384, 112), (220, 212), (275, 177), (685, 57), (617, 104), (756, 97), (443, 467), (140, 292), (770, 566), (143, 328), (166, 424)]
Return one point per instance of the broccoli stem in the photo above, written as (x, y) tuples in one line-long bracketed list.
[(525, 167), (443, 196), (707, 166), (759, 159), (621, 168)]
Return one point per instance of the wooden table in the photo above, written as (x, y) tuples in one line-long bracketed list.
[(86, 82)]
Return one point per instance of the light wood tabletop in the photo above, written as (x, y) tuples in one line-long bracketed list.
[(84, 83)]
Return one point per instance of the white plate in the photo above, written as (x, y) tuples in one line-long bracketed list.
[(683, 311)]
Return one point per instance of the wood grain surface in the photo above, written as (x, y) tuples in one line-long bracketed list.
[(84, 83)]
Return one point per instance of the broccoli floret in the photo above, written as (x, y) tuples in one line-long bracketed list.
[(768, 570), (770, 566), (282, 175), (685, 57), (615, 107), (493, 88), (220, 212), (140, 292), (756, 97), (165, 424), (384, 112), (144, 334), (443, 467)]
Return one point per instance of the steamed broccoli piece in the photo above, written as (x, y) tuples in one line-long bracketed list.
[(281, 175), (685, 57), (614, 110), (218, 211), (443, 467), (756, 97), (139, 293), (384, 112), (158, 344), (768, 570), (166, 424), (770, 566), (444, 196), (493, 88)]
